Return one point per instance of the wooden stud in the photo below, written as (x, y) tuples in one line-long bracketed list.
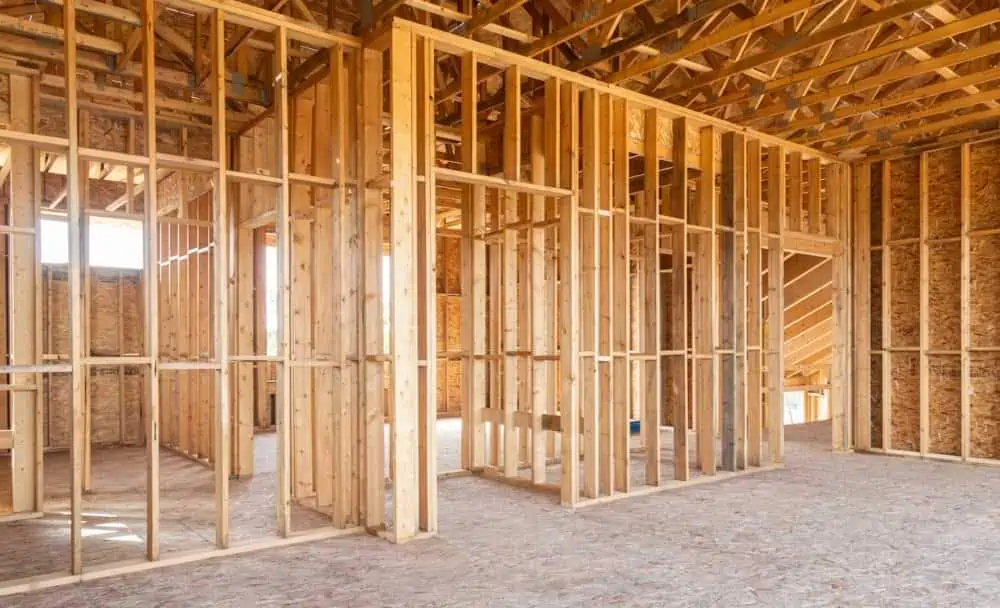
[(862, 306), (569, 288), (541, 306), (589, 290), (705, 302), (220, 213), (651, 307), (621, 327), (402, 303), (25, 421), (678, 370), (371, 220), (965, 288), (427, 283), (283, 395), (509, 305), (473, 280), (775, 302)]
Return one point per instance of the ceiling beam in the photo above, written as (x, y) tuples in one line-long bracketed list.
[(799, 42), (736, 30), (928, 37)]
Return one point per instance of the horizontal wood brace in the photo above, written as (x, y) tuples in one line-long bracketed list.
[(592, 211), (520, 482), (18, 388), (322, 182), (93, 361), (701, 229), (45, 368), (16, 230), (671, 220), (642, 220), (314, 363), (120, 158), (475, 179), (982, 232), (175, 161), (524, 225), (253, 358), (42, 141), (672, 353), (253, 178), (187, 365)]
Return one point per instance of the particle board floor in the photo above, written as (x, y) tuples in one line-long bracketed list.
[(827, 530)]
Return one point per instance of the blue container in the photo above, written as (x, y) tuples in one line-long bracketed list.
[(633, 426)]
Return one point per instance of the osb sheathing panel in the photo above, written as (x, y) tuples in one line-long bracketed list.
[(944, 196), (984, 406), (904, 198), (875, 193), (115, 399), (904, 301), (984, 314), (984, 183), (876, 300), (945, 405), (944, 291), (905, 374), (876, 406)]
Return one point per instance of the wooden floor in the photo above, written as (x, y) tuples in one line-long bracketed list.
[(827, 530), (114, 525)]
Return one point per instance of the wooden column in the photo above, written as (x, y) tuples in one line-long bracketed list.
[(704, 301), (755, 422), (427, 282), (473, 279), (371, 330), (402, 298), (966, 300), (837, 183), (508, 251), (76, 320), (589, 290), (541, 307), (569, 293), (23, 302), (732, 340), (775, 302), (621, 303), (650, 336), (220, 256), (283, 396), (862, 306), (678, 359)]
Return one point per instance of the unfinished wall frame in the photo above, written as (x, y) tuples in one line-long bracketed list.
[(922, 383), (575, 201)]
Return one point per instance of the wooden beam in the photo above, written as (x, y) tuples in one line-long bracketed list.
[(737, 29), (220, 256), (569, 287), (402, 300), (776, 301), (76, 320), (797, 43)]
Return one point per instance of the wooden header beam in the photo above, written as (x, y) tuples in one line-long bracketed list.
[(531, 68)]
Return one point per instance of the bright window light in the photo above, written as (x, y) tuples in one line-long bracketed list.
[(55, 242), (114, 242)]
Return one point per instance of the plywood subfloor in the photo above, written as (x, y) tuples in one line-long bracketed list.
[(114, 522), (827, 530)]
